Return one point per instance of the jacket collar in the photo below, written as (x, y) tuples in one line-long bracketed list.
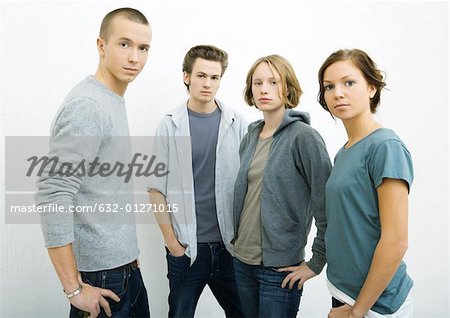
[(180, 113)]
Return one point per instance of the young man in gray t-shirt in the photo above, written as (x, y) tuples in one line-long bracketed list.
[(200, 183)]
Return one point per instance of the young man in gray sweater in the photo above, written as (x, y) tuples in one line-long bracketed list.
[(95, 254)]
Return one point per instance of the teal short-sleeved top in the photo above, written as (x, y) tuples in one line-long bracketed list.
[(353, 218)]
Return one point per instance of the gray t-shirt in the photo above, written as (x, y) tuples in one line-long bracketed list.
[(204, 132), (87, 126), (247, 247)]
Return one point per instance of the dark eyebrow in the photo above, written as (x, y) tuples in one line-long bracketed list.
[(203, 73), (344, 77)]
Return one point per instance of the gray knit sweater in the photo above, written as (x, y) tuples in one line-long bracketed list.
[(293, 191), (85, 128)]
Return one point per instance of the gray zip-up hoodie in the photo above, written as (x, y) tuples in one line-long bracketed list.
[(293, 191)]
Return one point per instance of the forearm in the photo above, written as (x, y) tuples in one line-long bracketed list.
[(163, 217), (317, 166), (318, 182), (318, 260), (386, 259), (65, 266)]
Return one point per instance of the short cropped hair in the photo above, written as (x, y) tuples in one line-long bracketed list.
[(206, 52), (290, 87), (364, 63), (128, 13)]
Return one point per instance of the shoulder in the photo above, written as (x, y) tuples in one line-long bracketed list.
[(305, 133), (388, 157), (255, 125), (177, 111), (232, 114), (384, 139), (89, 98), (240, 119), (252, 132), (165, 126), (171, 119), (79, 115)]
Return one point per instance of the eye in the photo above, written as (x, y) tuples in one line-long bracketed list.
[(257, 83), (328, 87), (216, 78), (144, 48), (274, 82), (349, 83), (123, 44), (201, 75)]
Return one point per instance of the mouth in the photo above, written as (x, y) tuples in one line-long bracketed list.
[(131, 69), (263, 99), (205, 92), (340, 105)]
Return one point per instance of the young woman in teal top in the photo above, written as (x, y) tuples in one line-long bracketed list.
[(366, 196)]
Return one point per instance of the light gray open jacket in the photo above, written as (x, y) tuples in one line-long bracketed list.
[(173, 144)]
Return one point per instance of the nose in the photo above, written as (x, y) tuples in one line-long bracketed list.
[(339, 91), (264, 88), (134, 56), (207, 82)]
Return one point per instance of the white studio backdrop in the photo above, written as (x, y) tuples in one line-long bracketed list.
[(47, 47)]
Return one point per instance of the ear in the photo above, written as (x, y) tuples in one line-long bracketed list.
[(186, 78), (372, 91), (101, 46)]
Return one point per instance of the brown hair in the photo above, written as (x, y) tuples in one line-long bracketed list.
[(128, 13), (367, 67), (289, 81)]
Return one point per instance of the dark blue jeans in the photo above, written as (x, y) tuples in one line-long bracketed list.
[(261, 292), (336, 303), (213, 267), (126, 282)]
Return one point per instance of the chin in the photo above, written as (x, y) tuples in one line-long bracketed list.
[(207, 99), (129, 79)]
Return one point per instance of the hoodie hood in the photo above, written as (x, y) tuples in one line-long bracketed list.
[(290, 116)]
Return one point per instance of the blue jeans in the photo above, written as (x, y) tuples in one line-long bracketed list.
[(126, 282), (213, 267), (336, 303), (261, 292)]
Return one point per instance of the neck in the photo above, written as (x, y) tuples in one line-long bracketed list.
[(272, 120), (358, 128), (113, 84), (205, 108)]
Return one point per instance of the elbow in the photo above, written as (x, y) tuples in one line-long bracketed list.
[(397, 247), (400, 248)]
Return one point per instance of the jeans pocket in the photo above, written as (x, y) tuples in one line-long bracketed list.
[(117, 282), (177, 266), (171, 255), (89, 278)]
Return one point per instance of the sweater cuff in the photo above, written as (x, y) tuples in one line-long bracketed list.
[(316, 264)]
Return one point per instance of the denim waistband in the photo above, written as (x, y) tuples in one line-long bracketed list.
[(212, 243)]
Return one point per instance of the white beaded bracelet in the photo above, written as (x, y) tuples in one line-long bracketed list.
[(74, 293)]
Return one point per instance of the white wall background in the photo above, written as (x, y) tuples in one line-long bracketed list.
[(47, 47)]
